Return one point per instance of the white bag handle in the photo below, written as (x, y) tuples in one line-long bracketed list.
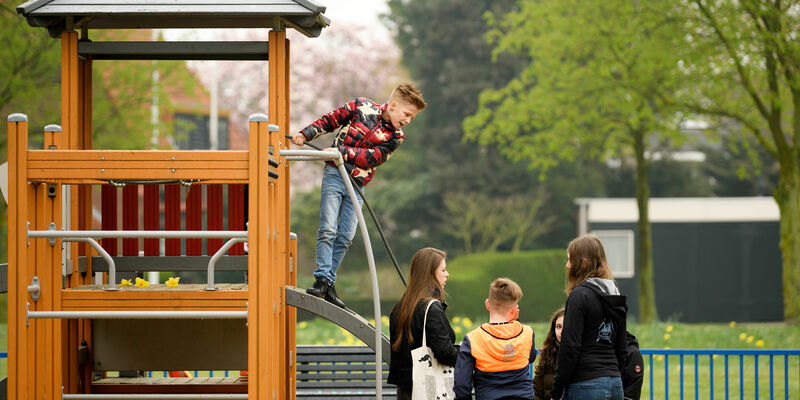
[(425, 320)]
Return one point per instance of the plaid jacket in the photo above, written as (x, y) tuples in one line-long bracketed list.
[(365, 140)]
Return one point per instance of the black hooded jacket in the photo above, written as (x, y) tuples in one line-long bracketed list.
[(440, 338), (593, 342)]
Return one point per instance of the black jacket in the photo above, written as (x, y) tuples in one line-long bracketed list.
[(440, 338), (593, 342)]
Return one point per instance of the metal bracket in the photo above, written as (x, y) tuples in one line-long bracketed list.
[(27, 313), (28, 233), (35, 289), (52, 227)]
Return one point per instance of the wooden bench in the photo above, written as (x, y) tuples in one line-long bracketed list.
[(339, 372)]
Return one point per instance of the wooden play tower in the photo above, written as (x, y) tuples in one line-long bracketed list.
[(60, 317)]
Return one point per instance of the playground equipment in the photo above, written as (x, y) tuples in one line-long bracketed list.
[(62, 326)]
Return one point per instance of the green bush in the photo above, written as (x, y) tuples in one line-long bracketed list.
[(540, 274)]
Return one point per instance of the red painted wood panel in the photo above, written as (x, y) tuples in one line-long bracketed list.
[(130, 218), (172, 218), (151, 218), (194, 219), (236, 215), (108, 212), (214, 215)]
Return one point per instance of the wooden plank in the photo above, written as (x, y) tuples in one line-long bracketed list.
[(109, 217), (152, 218), (130, 218), (172, 218), (134, 172), (139, 155), (214, 210), (194, 219)]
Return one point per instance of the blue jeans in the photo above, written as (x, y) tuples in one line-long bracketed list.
[(337, 223), (603, 388)]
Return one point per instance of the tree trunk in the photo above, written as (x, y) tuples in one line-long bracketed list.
[(647, 293), (787, 195)]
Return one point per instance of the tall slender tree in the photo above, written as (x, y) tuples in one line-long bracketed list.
[(588, 90)]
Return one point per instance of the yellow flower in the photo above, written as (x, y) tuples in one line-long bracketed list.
[(142, 283), (750, 339), (456, 320), (302, 325), (732, 324), (385, 320), (331, 341), (742, 336), (372, 321), (457, 330), (670, 328), (172, 281), (667, 347), (125, 282), (667, 336), (715, 356), (760, 343), (467, 322), (660, 358)]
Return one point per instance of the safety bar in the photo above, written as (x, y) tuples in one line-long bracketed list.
[(137, 314), (89, 236), (152, 396), (55, 234), (112, 268), (213, 261), (336, 157)]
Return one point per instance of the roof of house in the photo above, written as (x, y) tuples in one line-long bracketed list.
[(682, 209), (61, 15)]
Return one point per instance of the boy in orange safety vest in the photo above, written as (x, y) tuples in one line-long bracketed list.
[(494, 358)]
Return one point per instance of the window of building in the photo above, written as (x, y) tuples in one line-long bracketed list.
[(619, 247)]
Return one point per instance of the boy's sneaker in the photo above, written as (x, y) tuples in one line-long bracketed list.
[(319, 288), (333, 298)]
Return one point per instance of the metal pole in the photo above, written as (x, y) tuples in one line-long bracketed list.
[(137, 314), (154, 396), (376, 304), (337, 158), (112, 268), (137, 234), (213, 261)]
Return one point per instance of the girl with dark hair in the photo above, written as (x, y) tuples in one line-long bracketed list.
[(545, 371), (426, 282), (593, 342)]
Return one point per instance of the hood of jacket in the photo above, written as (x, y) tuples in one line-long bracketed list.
[(614, 304)]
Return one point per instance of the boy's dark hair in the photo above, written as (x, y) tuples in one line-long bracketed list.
[(407, 93)]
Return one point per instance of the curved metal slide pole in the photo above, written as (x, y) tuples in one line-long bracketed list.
[(376, 304)]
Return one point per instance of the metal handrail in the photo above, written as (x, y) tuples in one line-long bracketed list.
[(213, 261), (56, 234), (336, 157), (134, 314)]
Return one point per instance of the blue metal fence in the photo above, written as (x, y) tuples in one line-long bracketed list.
[(746, 378)]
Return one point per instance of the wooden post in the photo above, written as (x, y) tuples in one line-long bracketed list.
[(261, 334), (18, 197), (49, 359)]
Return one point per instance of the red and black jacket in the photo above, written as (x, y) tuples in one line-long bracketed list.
[(366, 140)]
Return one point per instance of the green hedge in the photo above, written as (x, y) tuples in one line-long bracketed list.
[(540, 274)]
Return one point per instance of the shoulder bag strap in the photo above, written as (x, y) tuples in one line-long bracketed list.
[(425, 320)]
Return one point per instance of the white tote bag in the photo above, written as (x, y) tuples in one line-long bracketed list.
[(431, 380)]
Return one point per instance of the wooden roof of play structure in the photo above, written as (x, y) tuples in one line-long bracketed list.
[(63, 15)]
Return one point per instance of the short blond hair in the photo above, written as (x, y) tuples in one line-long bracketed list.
[(504, 293), (407, 93)]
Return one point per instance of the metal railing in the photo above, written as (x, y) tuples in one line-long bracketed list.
[(721, 373), (702, 373)]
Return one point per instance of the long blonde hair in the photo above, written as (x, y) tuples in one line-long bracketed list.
[(587, 259), (422, 283)]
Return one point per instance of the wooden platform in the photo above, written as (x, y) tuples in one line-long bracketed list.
[(230, 296), (170, 385)]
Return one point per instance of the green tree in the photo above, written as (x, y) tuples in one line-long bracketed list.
[(744, 65), (590, 89)]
